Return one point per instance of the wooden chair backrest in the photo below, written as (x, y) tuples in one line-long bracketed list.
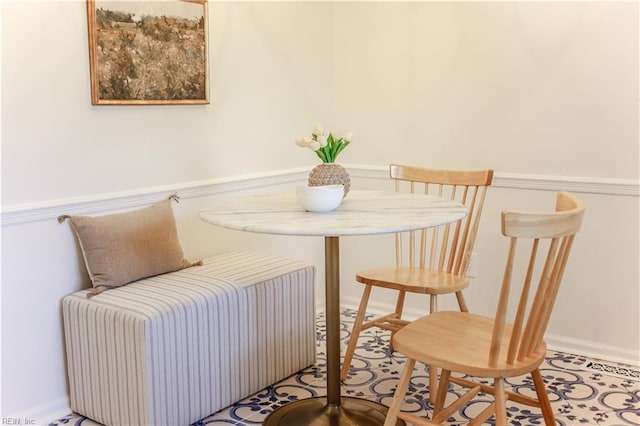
[(549, 237), (447, 248)]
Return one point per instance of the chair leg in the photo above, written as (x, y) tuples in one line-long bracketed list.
[(461, 302), (433, 384), (433, 371), (355, 332), (501, 402), (400, 303), (398, 314), (441, 395), (543, 398), (401, 391)]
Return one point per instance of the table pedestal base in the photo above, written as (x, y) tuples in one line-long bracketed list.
[(316, 412)]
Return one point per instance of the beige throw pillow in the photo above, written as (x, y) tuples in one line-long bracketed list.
[(125, 247)]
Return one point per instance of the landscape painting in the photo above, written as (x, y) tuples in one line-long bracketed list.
[(148, 52)]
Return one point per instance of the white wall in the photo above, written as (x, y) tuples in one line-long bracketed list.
[(530, 88), (270, 79), (544, 93)]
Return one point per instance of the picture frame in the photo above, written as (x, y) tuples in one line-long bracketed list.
[(148, 52)]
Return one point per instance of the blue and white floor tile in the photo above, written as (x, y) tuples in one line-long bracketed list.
[(582, 391)]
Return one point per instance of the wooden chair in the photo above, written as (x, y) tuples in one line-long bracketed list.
[(431, 261), (492, 347)]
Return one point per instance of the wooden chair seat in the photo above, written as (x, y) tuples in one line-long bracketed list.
[(463, 345), (413, 280)]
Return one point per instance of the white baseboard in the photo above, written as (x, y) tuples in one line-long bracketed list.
[(595, 350), (41, 415), (570, 345)]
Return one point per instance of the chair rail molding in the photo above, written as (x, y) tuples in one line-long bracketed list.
[(585, 185), (51, 209), (91, 204)]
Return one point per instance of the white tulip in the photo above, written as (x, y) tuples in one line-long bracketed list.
[(345, 136), (318, 131), (318, 141)]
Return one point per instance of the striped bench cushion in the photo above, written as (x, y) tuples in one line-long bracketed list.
[(172, 349)]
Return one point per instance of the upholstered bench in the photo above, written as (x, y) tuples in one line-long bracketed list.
[(174, 348)]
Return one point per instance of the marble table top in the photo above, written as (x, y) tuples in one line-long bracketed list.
[(361, 212)]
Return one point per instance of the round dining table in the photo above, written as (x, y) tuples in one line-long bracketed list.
[(360, 213)]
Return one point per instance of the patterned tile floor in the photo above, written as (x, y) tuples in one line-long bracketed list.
[(582, 391)]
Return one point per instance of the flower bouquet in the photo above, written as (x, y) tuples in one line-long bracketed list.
[(327, 148)]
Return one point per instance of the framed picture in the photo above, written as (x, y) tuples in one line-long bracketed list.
[(148, 52)]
